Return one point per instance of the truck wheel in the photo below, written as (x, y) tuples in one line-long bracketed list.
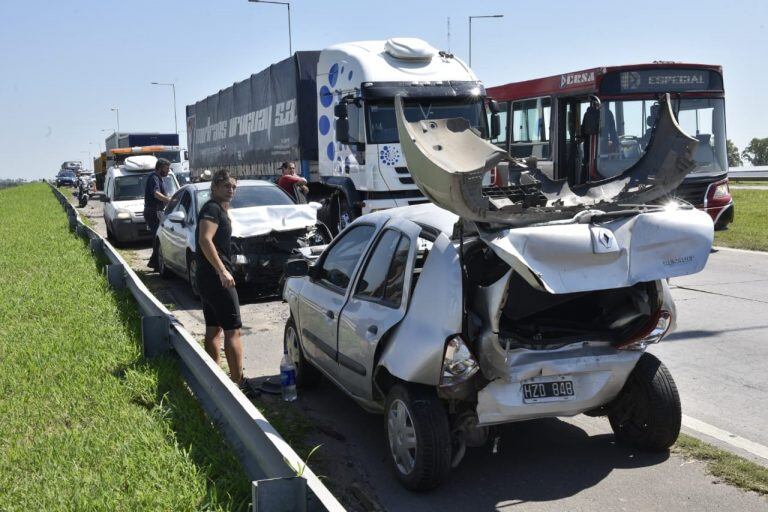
[(647, 412), (418, 435), (306, 374), (192, 273), (336, 214)]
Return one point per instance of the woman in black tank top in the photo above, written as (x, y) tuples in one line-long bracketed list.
[(221, 305)]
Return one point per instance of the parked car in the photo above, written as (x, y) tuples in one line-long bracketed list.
[(123, 196), (495, 306), (65, 177), (267, 229)]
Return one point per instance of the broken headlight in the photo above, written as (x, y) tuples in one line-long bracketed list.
[(459, 364)]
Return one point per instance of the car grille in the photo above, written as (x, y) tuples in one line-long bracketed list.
[(691, 192), (285, 242)]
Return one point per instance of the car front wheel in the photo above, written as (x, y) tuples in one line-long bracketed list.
[(647, 413), (418, 434)]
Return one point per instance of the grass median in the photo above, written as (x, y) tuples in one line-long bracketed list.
[(749, 229), (85, 422)]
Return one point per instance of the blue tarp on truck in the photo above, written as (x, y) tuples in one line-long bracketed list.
[(252, 126)]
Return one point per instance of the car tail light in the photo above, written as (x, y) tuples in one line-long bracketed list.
[(719, 191), (459, 364), (653, 332)]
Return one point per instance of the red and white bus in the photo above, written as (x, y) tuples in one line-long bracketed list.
[(542, 118)]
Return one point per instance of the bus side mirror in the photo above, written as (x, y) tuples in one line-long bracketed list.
[(495, 126), (591, 123)]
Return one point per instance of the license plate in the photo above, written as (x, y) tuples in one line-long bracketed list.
[(547, 389)]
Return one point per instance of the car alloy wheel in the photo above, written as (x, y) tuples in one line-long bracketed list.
[(402, 436)]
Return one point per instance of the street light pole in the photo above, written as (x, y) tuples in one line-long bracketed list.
[(288, 5), (116, 110), (470, 31), (175, 119)]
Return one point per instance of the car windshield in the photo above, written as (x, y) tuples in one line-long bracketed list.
[(382, 126), (250, 195), (626, 128), (171, 156), (132, 186), (67, 174)]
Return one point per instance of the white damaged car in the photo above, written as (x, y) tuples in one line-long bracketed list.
[(496, 305), (267, 229)]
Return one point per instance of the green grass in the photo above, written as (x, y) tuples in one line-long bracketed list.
[(747, 182), (725, 465), (749, 229), (85, 422)]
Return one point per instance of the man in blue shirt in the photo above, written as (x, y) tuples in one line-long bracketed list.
[(155, 199)]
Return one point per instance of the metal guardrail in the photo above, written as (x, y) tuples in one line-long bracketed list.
[(267, 458)]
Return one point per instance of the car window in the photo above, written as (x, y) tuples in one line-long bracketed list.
[(173, 202), (185, 204), (385, 270), (342, 258)]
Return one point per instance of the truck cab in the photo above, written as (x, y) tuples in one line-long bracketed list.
[(359, 153)]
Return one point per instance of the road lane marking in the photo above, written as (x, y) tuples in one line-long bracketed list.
[(726, 437), (691, 289)]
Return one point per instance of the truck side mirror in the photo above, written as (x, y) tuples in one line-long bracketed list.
[(495, 126), (342, 130), (590, 125), (340, 111), (493, 106)]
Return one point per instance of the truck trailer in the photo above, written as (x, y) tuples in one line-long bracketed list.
[(332, 111)]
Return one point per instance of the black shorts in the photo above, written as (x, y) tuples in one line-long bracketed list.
[(221, 306)]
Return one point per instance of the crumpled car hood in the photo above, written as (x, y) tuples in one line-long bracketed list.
[(447, 160), (260, 220)]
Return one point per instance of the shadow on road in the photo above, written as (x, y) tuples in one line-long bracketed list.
[(536, 461)]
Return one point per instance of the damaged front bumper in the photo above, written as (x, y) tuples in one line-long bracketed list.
[(597, 373)]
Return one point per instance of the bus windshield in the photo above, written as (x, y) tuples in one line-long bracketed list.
[(627, 125), (382, 126)]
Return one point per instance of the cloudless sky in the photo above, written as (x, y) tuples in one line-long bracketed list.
[(63, 64)]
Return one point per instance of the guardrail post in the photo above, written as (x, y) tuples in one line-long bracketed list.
[(96, 245), (72, 220), (279, 495), (155, 332), (115, 275)]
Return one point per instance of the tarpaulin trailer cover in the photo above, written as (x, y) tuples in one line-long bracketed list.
[(255, 124)]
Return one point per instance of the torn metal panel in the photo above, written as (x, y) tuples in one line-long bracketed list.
[(448, 160)]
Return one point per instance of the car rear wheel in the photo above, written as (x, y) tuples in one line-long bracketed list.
[(647, 413), (306, 374), (192, 273), (162, 268), (418, 435)]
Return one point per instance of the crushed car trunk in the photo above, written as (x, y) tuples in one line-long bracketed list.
[(448, 160)]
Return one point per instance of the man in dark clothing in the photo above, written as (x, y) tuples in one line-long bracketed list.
[(155, 199)]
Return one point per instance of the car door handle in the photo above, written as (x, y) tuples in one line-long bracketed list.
[(329, 314), (373, 329)]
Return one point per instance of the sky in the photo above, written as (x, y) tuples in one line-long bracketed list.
[(64, 65)]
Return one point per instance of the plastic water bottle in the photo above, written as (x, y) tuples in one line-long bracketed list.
[(288, 378)]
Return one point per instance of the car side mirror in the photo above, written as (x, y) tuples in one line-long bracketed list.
[(296, 268), (176, 217), (104, 198)]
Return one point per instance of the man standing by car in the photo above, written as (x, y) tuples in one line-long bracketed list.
[(155, 199), (289, 180)]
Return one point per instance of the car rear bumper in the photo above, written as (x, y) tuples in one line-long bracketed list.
[(598, 373)]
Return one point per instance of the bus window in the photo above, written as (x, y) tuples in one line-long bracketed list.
[(530, 128)]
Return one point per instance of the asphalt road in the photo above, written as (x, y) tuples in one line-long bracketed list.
[(717, 356)]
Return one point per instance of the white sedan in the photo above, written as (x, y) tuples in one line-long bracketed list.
[(267, 229)]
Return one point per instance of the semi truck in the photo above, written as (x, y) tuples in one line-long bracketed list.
[(332, 111)]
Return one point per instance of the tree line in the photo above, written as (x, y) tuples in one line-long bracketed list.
[(5, 183), (756, 153)]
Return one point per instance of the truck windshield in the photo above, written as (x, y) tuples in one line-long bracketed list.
[(382, 126), (247, 196), (626, 129)]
